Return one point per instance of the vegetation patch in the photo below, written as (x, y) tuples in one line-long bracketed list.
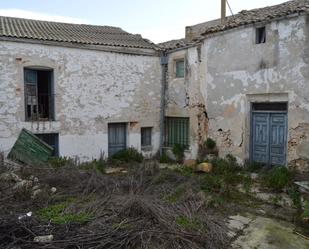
[(128, 155), (175, 195), (277, 178), (58, 214), (178, 151), (189, 224)]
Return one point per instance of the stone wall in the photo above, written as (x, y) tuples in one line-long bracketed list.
[(238, 71), (92, 88)]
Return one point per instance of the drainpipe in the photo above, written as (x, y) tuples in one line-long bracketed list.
[(164, 64), (223, 11)]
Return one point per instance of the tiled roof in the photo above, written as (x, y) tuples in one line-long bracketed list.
[(70, 33), (199, 31), (174, 44), (254, 16)]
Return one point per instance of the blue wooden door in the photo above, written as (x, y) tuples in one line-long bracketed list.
[(278, 138), (269, 136), (117, 134)]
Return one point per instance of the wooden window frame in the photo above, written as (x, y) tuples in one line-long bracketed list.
[(176, 68)]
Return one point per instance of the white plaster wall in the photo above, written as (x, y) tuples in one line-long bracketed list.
[(237, 68), (93, 88), (183, 96)]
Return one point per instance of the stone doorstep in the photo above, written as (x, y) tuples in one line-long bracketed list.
[(237, 224)]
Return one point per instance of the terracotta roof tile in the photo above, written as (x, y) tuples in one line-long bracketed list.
[(72, 33)]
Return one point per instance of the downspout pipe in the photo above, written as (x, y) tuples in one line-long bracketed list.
[(164, 67)]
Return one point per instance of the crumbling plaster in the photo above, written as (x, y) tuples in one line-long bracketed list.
[(92, 88), (239, 72), (183, 96)]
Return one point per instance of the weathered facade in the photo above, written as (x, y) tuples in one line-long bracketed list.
[(242, 82), (91, 89)]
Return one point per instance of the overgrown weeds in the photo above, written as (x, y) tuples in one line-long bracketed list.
[(277, 178), (128, 155)]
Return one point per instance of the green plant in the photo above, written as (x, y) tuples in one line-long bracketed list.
[(57, 214), (277, 178), (254, 166), (305, 214), (99, 165), (295, 196), (188, 224), (175, 195), (59, 162), (178, 151), (128, 155), (165, 159), (210, 144)]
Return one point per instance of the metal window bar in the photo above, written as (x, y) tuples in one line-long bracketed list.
[(176, 131), (40, 107)]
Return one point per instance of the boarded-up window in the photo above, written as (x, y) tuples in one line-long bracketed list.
[(176, 131), (146, 136), (180, 69)]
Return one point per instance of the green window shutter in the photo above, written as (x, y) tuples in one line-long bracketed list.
[(176, 131), (180, 69)]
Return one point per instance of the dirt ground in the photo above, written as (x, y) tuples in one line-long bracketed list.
[(146, 207)]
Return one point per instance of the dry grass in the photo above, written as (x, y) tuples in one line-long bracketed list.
[(127, 211)]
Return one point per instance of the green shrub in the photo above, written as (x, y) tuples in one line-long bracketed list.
[(57, 214), (277, 178), (189, 223), (210, 144), (59, 162), (254, 166), (175, 195), (128, 155), (99, 165), (165, 159), (224, 166), (295, 196), (179, 152), (306, 211)]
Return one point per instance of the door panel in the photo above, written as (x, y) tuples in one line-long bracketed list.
[(269, 137), (260, 137), (116, 138), (278, 139)]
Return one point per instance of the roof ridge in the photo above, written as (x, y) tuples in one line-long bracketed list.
[(65, 23)]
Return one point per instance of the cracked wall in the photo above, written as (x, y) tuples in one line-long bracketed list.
[(93, 88), (239, 72), (183, 96)]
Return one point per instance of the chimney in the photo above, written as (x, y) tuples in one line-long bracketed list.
[(223, 11)]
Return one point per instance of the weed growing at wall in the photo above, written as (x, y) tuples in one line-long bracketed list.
[(178, 151), (277, 178), (128, 155)]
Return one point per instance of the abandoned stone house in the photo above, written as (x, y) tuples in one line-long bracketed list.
[(86, 90)]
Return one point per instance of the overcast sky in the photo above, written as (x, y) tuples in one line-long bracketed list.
[(158, 20)]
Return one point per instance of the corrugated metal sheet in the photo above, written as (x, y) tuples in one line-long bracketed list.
[(29, 149)]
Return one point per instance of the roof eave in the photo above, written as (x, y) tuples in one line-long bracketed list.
[(105, 48)]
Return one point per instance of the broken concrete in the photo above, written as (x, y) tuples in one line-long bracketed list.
[(268, 233)]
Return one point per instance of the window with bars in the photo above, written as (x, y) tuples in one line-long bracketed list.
[(176, 131), (180, 68), (146, 136)]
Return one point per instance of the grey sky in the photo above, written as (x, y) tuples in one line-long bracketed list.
[(159, 20)]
